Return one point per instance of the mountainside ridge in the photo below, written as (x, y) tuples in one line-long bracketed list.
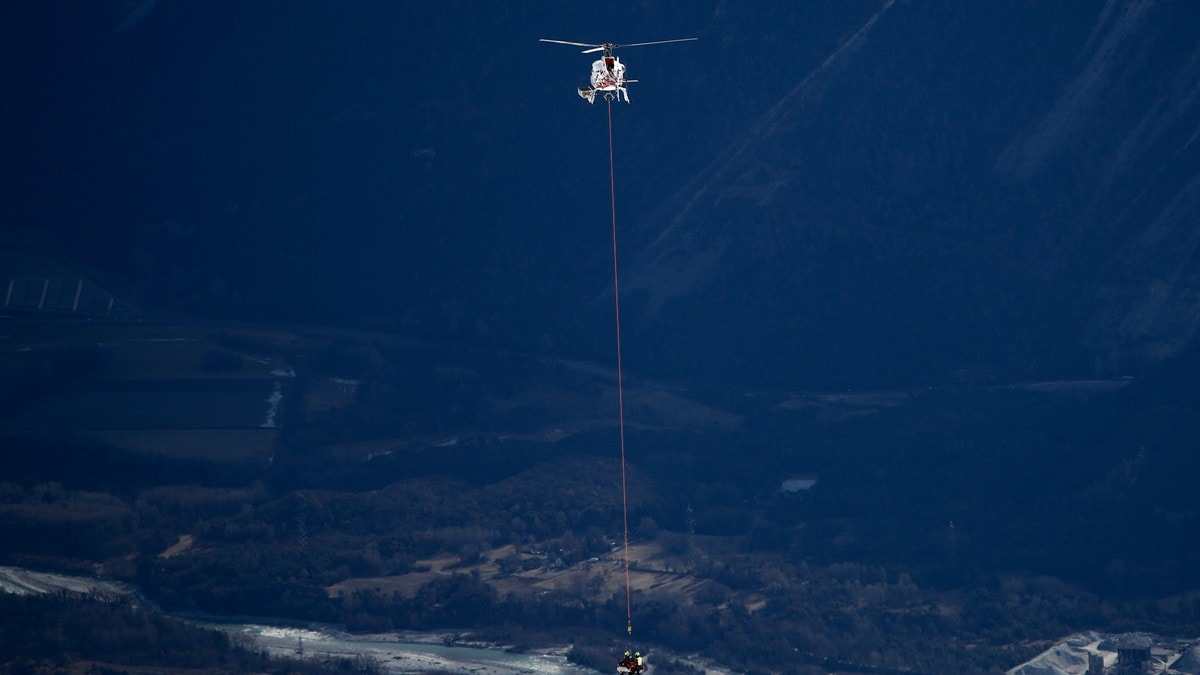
[(1043, 174)]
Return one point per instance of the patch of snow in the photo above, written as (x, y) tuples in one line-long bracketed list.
[(798, 484), (273, 402)]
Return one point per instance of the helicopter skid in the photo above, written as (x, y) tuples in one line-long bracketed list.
[(609, 93)]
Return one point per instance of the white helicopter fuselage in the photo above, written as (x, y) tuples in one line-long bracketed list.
[(608, 76)]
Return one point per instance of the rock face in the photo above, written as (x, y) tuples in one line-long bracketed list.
[(1127, 121), (953, 187)]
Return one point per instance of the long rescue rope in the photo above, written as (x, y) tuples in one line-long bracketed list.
[(612, 180)]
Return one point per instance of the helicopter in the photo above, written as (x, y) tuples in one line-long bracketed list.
[(608, 73)]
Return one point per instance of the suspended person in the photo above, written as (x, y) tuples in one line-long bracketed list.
[(632, 663)]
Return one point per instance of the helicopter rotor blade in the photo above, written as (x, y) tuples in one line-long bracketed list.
[(657, 42), (598, 48), (573, 44)]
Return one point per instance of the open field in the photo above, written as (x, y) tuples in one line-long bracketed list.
[(217, 391), (652, 571), (216, 445), (330, 392), (176, 389), (162, 404)]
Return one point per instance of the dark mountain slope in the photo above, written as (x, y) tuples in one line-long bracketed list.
[(974, 186), (829, 194)]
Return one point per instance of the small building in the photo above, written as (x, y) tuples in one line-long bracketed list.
[(1133, 652)]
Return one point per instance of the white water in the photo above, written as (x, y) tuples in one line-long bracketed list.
[(402, 652), (408, 652)]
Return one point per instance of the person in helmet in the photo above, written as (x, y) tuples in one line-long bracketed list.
[(639, 662), (627, 664)]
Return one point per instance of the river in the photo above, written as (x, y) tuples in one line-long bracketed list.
[(400, 652), (405, 652)]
